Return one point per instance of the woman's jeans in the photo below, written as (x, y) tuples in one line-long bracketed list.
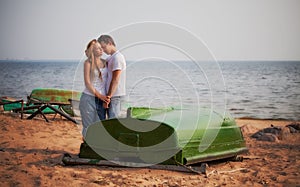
[(91, 110)]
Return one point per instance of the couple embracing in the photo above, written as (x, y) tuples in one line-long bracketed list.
[(104, 81)]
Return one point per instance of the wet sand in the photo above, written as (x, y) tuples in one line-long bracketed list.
[(31, 153)]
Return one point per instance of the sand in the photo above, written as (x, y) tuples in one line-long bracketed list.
[(31, 153)]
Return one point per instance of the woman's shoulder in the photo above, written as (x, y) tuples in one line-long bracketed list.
[(87, 61)]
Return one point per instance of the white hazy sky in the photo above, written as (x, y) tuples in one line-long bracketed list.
[(232, 30)]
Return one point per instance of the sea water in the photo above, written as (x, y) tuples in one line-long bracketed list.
[(256, 89)]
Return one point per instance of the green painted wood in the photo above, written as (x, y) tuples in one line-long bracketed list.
[(191, 124), (182, 130), (54, 96), (13, 106), (8, 105)]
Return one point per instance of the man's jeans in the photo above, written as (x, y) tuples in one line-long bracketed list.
[(115, 107)]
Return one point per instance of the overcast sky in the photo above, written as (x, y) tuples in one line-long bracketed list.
[(232, 30)]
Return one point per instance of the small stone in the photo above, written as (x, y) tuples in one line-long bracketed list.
[(295, 126), (268, 137), (285, 133), (292, 130), (257, 135), (272, 130)]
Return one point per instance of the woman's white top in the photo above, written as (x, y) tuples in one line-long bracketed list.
[(97, 83)]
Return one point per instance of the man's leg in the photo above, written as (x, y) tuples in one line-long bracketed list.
[(115, 107)]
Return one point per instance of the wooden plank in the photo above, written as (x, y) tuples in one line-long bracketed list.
[(39, 111), (68, 160)]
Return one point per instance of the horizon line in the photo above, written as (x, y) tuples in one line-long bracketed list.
[(130, 60)]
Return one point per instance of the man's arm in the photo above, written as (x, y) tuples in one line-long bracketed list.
[(114, 82)]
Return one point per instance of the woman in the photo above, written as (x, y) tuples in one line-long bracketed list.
[(94, 95)]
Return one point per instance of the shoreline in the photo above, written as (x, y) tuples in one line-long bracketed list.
[(31, 152)]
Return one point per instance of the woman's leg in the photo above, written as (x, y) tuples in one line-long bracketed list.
[(101, 111), (88, 111)]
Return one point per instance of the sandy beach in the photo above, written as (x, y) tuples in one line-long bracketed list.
[(31, 153)]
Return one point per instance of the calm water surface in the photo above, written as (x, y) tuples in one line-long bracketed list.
[(266, 90)]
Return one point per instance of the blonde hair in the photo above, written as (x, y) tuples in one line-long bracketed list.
[(89, 52)]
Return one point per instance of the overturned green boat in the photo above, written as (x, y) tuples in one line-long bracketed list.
[(173, 136), (58, 98)]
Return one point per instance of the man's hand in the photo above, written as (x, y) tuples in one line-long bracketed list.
[(105, 105), (106, 101)]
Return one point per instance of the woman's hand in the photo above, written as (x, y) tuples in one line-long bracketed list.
[(105, 98)]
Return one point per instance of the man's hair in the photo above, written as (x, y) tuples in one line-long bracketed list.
[(106, 39)]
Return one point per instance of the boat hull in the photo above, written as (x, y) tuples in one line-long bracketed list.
[(164, 136), (59, 97)]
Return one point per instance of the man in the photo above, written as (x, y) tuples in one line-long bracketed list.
[(116, 65)]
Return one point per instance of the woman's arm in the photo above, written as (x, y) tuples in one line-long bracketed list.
[(88, 84)]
